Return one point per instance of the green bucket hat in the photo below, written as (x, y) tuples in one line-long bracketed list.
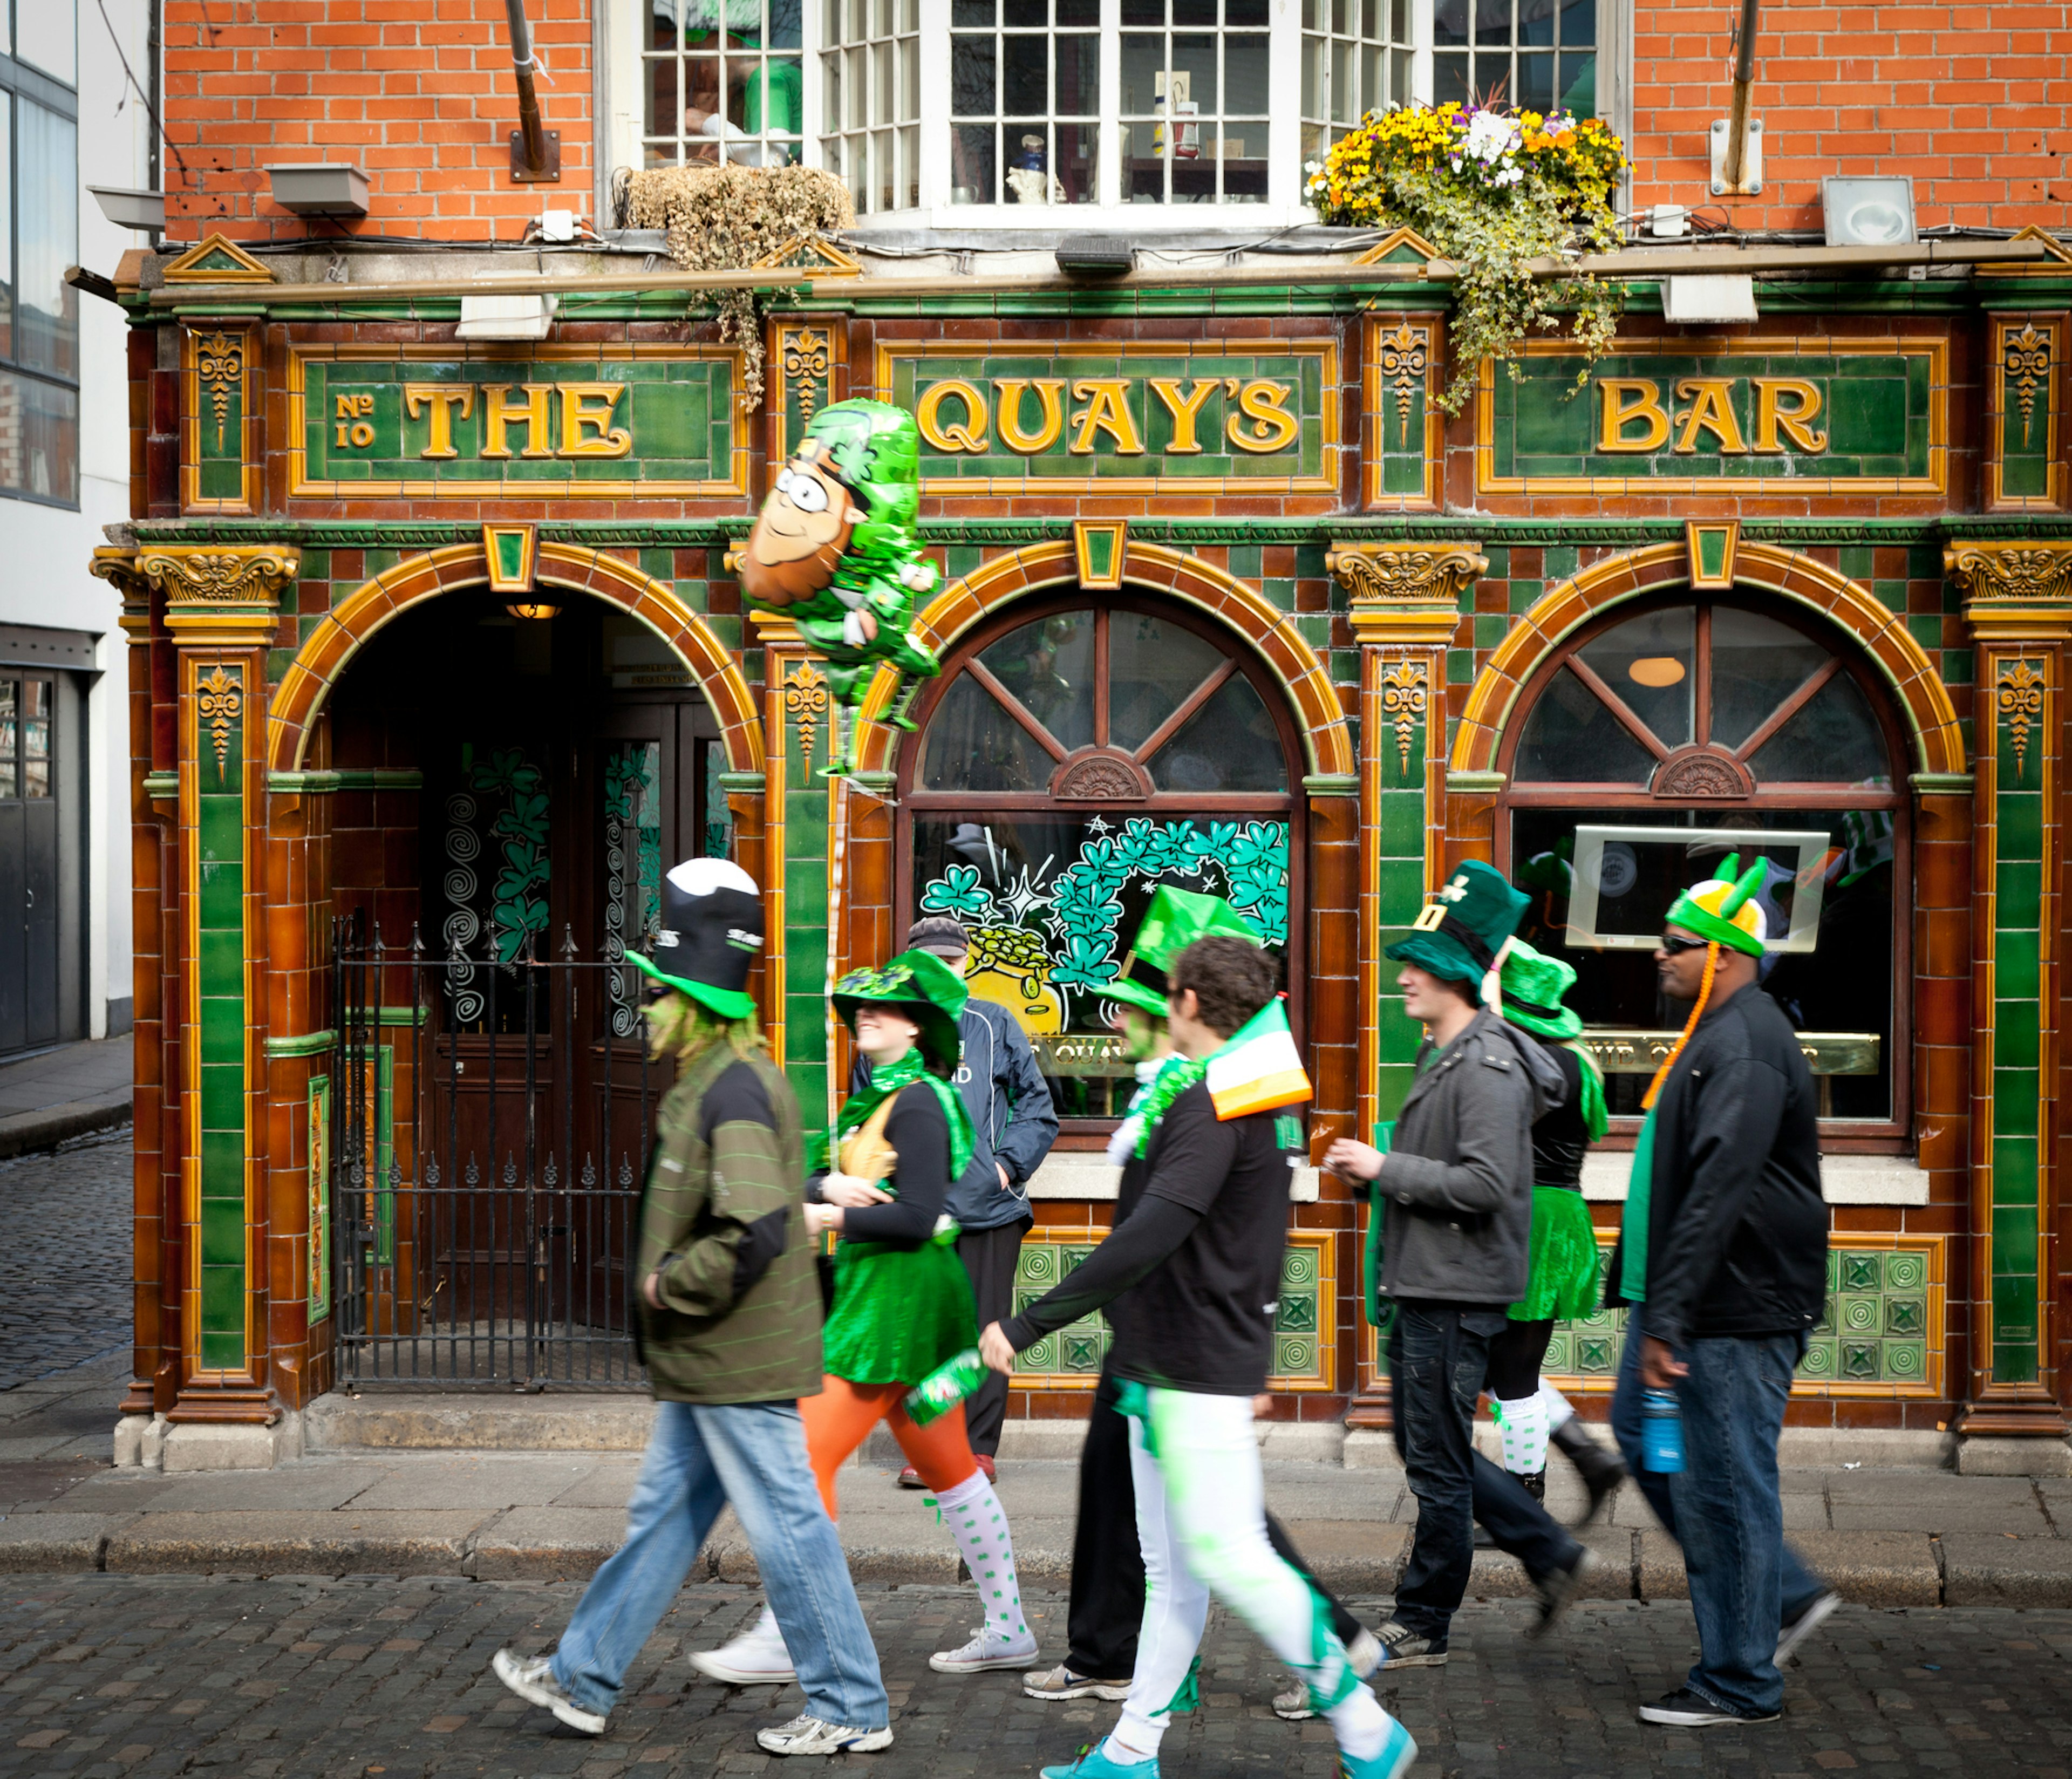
[(1533, 985), (1174, 920), (1460, 936), (923, 987)]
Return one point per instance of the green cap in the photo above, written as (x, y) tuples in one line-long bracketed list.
[(1722, 910), (1174, 920), (1460, 934), (1533, 986), (923, 987)]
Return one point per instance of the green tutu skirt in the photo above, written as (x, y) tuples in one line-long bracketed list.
[(1563, 1283), (898, 1312)]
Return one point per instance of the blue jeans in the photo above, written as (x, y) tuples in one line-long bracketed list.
[(700, 1459), (1724, 1508), (1438, 1353)]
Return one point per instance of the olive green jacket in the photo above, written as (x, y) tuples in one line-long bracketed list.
[(729, 1151)]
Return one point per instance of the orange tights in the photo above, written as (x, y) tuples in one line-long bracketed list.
[(840, 1419)]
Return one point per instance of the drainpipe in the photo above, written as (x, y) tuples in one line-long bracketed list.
[(536, 152), (1737, 116)]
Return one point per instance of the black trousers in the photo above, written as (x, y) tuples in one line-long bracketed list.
[(1108, 1565), (989, 1257), (1438, 1359), (1516, 1357)]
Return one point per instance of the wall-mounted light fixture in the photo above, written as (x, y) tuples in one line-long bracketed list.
[(1867, 210)]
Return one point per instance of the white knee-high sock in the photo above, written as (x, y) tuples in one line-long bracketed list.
[(1559, 1413), (974, 1515), (1524, 1424)]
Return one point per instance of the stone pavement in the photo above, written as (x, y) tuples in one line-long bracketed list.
[(65, 1259), (64, 1093), (298, 1677)]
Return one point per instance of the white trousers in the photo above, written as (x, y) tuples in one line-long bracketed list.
[(1201, 1520)]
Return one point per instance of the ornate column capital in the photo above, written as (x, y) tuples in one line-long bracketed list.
[(2017, 591), (117, 567), (1405, 593), (220, 593)]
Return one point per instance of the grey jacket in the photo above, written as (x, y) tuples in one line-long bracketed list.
[(1458, 1179), (1013, 1123)]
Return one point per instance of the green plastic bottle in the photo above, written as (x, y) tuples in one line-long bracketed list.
[(944, 1387)]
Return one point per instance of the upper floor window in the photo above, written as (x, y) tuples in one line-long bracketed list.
[(725, 82), (39, 240), (1070, 106)]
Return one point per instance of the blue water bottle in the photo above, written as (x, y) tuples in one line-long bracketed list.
[(1661, 1432)]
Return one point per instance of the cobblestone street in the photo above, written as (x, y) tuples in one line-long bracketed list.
[(109, 1675), (65, 1257)]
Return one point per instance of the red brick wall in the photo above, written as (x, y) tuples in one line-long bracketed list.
[(419, 94), (1974, 102)]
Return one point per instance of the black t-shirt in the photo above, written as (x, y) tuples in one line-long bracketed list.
[(1203, 1320), (1559, 1139)]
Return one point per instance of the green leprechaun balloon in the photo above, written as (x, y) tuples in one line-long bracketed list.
[(834, 550)]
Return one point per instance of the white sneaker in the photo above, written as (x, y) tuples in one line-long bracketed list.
[(533, 1679), (806, 1734), (757, 1657), (1363, 1656), (984, 1654), (1796, 1633)]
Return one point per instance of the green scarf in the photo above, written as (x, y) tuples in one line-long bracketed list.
[(1633, 1222), (886, 1079), (1179, 1074)]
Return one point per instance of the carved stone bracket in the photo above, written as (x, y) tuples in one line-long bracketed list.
[(224, 593), (118, 567), (2014, 589), (1406, 594)]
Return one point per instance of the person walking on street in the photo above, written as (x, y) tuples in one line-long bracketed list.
[(1200, 1259), (1722, 1265), (902, 1305), (1012, 1128), (1107, 1601), (1453, 1226), (728, 1322), (1562, 1283)]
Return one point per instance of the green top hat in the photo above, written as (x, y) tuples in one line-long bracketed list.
[(1175, 920), (923, 987), (1722, 910), (1533, 986), (710, 932), (1459, 936)]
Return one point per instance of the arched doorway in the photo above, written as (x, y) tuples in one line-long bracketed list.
[(509, 786), (1670, 732), (1075, 753)]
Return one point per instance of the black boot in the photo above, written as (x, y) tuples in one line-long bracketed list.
[(1536, 1484), (1602, 1472)]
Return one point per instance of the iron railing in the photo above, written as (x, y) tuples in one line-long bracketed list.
[(489, 1137)]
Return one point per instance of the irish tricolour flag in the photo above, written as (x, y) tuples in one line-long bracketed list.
[(1259, 1068)]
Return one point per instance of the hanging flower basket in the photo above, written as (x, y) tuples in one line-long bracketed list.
[(1493, 190)]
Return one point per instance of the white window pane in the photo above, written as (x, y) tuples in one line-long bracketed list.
[(972, 164), (48, 338), (910, 79)]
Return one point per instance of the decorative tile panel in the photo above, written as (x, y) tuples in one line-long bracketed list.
[(1305, 1331), (2024, 473), (441, 422), (1405, 445), (1882, 1334), (219, 457), (1840, 416)]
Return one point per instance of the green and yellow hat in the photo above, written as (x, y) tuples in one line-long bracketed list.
[(1174, 920), (923, 987), (1533, 985), (1462, 933), (1723, 910)]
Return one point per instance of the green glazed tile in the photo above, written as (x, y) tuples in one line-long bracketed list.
[(2014, 1036), (222, 1097), (2020, 895), (2014, 1101), (2015, 968), (2014, 1172), (222, 1352), (1402, 813), (223, 1301), (223, 1164), (220, 960), (2014, 1242), (222, 1233), (222, 896), (223, 1030)]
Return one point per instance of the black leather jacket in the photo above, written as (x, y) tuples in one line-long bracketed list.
[(1737, 1229)]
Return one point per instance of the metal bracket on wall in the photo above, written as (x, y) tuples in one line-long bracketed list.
[(549, 170), (1751, 179)]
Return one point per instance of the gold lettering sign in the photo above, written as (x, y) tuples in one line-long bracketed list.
[(1795, 422), (1103, 416), (1623, 401), (1785, 409)]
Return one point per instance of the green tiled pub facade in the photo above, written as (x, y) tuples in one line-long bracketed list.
[(1427, 611)]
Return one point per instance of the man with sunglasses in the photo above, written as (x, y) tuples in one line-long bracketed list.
[(1722, 1265)]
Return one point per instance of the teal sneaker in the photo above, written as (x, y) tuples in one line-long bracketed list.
[(1397, 1752), (1092, 1764)]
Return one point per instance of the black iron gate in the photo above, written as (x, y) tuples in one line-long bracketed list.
[(492, 1112)]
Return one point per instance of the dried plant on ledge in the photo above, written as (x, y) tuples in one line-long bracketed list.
[(1493, 190), (726, 219)]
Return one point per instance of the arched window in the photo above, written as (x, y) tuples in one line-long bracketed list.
[(1670, 735), (1073, 756)]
